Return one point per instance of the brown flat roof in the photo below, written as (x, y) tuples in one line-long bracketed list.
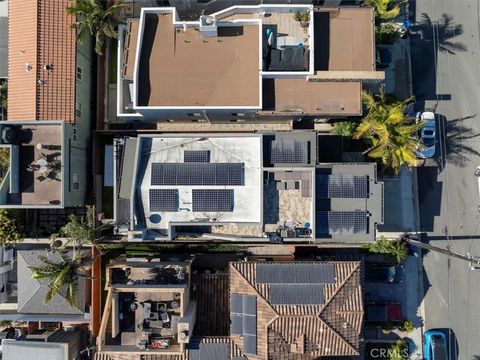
[(308, 97), (183, 68), (352, 41), (40, 33)]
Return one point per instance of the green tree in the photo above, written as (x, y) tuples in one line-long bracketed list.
[(63, 273), (386, 9), (10, 231), (406, 326), (392, 135), (93, 19), (83, 232), (396, 248), (344, 128), (399, 350)]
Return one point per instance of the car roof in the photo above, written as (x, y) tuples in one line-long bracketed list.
[(428, 115)]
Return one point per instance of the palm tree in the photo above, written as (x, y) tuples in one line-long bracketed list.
[(83, 232), (60, 274), (386, 9), (91, 17), (392, 135)]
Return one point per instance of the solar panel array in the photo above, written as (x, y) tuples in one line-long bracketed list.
[(289, 151), (295, 273), (198, 173), (165, 200), (202, 156), (212, 200), (341, 186), (296, 294), (243, 320), (342, 222), (295, 283)]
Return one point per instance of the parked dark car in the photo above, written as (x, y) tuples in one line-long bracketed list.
[(384, 312), (385, 274)]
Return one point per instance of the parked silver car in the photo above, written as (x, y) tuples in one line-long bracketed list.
[(427, 135)]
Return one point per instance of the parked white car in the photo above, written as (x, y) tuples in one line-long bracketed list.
[(427, 135)]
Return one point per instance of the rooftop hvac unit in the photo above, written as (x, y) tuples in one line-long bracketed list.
[(208, 25)]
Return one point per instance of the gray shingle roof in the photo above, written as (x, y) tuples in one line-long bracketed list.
[(31, 292), (3, 47)]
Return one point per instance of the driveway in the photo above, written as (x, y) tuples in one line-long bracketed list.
[(409, 294)]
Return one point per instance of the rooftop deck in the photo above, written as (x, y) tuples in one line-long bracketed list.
[(40, 169), (180, 67)]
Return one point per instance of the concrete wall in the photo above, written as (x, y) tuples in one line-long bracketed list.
[(77, 141)]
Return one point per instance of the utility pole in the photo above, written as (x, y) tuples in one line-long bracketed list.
[(474, 263)]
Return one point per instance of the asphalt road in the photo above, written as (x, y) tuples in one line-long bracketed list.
[(446, 79)]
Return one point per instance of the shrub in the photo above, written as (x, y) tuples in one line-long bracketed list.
[(399, 350), (406, 326), (9, 230), (344, 128), (302, 16), (396, 248), (387, 33)]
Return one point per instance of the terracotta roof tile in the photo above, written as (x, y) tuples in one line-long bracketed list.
[(40, 34), (305, 331)]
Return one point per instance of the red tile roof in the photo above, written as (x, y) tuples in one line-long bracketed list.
[(305, 331), (40, 34)]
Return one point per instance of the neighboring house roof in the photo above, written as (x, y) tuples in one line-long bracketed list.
[(13, 350), (134, 356), (215, 347), (330, 326), (3, 47), (40, 33), (31, 292)]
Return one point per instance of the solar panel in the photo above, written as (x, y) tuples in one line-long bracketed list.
[(207, 351), (236, 324), (296, 294), (289, 151), (341, 186), (202, 156), (212, 200), (165, 200), (249, 305), (249, 325), (250, 344), (197, 173), (243, 320), (236, 303), (341, 222), (295, 273)]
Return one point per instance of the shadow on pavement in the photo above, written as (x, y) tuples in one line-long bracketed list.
[(430, 196), (453, 140), (428, 38)]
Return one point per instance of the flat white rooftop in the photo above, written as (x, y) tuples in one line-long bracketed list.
[(162, 164)]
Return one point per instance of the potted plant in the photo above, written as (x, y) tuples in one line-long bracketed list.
[(303, 17)]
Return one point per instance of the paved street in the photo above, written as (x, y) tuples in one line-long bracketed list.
[(446, 79)]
